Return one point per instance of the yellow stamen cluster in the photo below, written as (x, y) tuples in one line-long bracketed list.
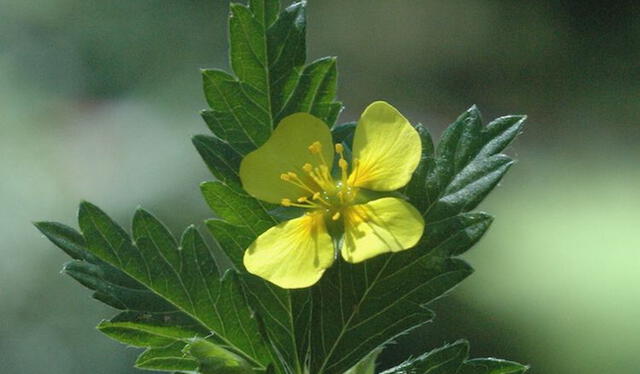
[(324, 192)]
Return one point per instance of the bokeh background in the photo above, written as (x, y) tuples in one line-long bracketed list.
[(98, 100)]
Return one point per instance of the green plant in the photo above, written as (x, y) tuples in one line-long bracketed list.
[(193, 316)]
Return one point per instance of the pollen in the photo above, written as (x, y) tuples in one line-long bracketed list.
[(319, 188), (315, 147), (307, 167)]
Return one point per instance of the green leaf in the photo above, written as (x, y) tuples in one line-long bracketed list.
[(112, 286), (452, 359), (271, 81), (184, 275), (377, 300), (387, 296), (268, 56), (466, 168), (416, 189), (367, 365), (445, 360), (243, 218), (213, 359), (148, 319), (167, 358), (492, 366), (223, 161), (466, 165), (151, 330), (343, 133), (176, 304)]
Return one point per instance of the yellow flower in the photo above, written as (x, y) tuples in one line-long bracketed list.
[(294, 168)]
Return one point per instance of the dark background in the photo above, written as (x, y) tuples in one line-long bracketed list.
[(98, 100)]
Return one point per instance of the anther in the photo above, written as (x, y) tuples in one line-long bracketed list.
[(285, 202), (307, 167), (343, 163), (336, 216), (285, 177), (315, 147), (339, 148)]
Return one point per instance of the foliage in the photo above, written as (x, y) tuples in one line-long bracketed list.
[(190, 316)]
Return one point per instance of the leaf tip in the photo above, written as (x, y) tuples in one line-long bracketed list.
[(40, 225), (189, 234)]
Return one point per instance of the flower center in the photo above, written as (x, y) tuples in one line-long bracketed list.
[(323, 191)]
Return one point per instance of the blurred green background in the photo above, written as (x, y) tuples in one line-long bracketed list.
[(98, 100)]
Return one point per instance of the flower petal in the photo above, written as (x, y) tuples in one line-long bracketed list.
[(384, 225), (285, 151), (293, 254), (388, 149)]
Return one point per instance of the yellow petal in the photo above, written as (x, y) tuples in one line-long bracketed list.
[(285, 151), (388, 149), (293, 254), (384, 225)]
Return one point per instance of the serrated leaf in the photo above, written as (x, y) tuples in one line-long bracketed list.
[(358, 308), (151, 330), (168, 358), (148, 319), (386, 296), (367, 365), (492, 366), (173, 293), (466, 165), (213, 359), (445, 360), (112, 286), (242, 218), (283, 311), (186, 276), (267, 56), (343, 133), (452, 359), (268, 53), (223, 161), (416, 188)]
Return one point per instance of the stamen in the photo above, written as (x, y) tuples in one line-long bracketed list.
[(318, 197), (325, 174), (302, 202), (307, 167), (293, 178), (342, 163), (315, 147)]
